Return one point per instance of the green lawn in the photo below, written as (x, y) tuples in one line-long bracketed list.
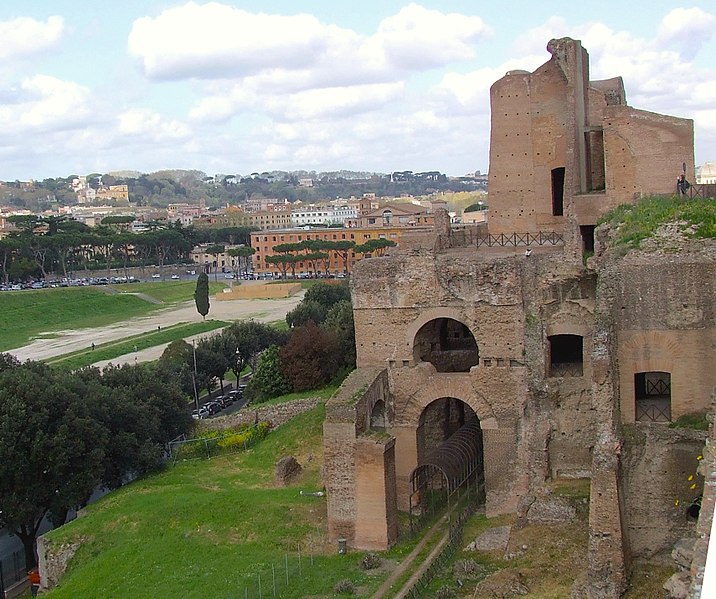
[(211, 528), (25, 315), (169, 292)]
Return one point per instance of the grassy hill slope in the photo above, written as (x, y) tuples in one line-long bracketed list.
[(208, 528)]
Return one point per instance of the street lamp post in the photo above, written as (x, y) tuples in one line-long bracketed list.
[(193, 377)]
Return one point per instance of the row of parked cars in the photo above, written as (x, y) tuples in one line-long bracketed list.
[(215, 405), (83, 282)]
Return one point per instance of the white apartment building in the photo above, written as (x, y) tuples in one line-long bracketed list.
[(322, 215)]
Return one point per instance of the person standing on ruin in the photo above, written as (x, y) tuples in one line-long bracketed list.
[(682, 185)]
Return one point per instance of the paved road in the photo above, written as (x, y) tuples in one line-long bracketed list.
[(69, 341)]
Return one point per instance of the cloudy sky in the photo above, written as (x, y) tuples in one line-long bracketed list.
[(236, 86)]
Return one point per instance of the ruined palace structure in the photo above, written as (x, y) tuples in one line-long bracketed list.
[(555, 369)]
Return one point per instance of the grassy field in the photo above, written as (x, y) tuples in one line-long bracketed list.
[(114, 349), (211, 528), (25, 315), (168, 292)]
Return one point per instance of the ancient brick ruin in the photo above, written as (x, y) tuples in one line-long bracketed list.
[(561, 370)]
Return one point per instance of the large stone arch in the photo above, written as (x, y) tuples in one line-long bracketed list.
[(431, 314), (460, 387), (499, 439)]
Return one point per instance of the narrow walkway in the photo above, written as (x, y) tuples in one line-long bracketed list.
[(386, 589)]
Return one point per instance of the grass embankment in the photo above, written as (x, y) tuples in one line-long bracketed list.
[(209, 528), (637, 222), (26, 315), (114, 349), (168, 292)]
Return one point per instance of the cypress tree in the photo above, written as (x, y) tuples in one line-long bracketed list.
[(201, 295)]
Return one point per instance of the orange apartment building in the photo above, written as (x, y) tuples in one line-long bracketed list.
[(264, 242)]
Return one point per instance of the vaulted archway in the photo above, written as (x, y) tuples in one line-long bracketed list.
[(447, 344), (450, 458)]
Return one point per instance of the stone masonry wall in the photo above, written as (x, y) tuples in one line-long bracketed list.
[(276, 414), (356, 479), (656, 513)]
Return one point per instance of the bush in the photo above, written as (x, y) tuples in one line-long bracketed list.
[(467, 568), (268, 380), (210, 443), (445, 592), (695, 422), (344, 587), (371, 561)]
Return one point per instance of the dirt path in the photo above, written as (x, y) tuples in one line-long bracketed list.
[(69, 341), (386, 589)]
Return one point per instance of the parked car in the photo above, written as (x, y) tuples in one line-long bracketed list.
[(213, 407), (156, 275), (175, 276), (200, 414)]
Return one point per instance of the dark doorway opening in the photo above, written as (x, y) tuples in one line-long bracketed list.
[(450, 459), (652, 395), (566, 357), (587, 234), (558, 191)]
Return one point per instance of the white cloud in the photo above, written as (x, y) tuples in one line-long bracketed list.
[(44, 103), (331, 103), (687, 29), (215, 41), (150, 126), (416, 37), (23, 36)]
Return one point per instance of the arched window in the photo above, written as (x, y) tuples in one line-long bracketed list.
[(377, 416), (447, 344)]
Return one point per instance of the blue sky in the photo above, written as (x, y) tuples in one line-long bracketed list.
[(240, 86)]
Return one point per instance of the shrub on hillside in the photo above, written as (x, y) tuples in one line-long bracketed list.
[(370, 561), (268, 380), (344, 587), (310, 358)]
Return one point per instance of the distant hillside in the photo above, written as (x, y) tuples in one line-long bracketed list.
[(170, 186)]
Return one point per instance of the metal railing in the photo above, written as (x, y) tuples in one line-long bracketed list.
[(521, 239), (565, 369), (12, 570), (445, 555)]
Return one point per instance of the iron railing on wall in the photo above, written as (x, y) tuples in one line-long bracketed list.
[(521, 239)]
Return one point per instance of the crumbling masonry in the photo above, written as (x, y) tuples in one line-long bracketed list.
[(571, 371)]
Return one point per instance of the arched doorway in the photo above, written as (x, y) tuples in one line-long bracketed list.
[(447, 344), (450, 459)]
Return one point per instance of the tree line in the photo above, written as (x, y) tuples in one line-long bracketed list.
[(319, 252), (56, 245), (166, 187), (64, 435), (317, 348)]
